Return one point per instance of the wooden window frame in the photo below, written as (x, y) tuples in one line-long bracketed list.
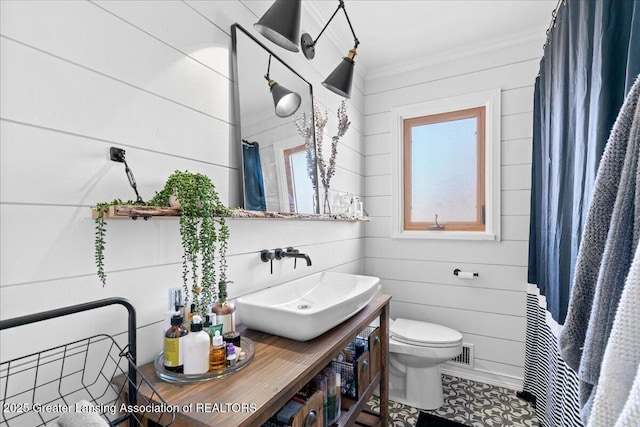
[(479, 113), (291, 191)]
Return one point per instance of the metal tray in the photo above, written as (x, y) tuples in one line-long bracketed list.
[(173, 377)]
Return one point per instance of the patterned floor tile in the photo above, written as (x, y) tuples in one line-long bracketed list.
[(468, 402)]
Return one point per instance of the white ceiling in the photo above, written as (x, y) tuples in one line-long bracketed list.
[(400, 33)]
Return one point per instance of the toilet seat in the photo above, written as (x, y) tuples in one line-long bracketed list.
[(423, 334)]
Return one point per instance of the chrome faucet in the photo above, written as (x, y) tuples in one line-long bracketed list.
[(295, 254)]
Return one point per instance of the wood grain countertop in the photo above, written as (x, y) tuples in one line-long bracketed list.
[(280, 368)]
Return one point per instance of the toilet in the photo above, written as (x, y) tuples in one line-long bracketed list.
[(416, 350)]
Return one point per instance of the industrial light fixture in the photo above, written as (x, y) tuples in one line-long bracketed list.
[(281, 24), (117, 155), (341, 78), (286, 102)]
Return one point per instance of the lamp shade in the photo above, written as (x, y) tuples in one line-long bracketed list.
[(340, 79), (285, 101), (281, 24)]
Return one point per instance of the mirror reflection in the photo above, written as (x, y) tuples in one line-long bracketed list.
[(279, 165)]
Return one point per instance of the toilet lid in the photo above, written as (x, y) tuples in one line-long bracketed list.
[(413, 331)]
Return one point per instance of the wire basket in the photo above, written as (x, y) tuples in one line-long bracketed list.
[(348, 378), (92, 376)]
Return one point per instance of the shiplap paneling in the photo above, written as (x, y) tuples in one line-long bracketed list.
[(152, 77), (489, 310)]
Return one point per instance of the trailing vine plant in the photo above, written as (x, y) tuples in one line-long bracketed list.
[(203, 231), (202, 227), (100, 235)]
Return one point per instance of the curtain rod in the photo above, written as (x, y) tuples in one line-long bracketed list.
[(552, 24)]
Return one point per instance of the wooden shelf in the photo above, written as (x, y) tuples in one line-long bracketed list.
[(141, 211), (136, 211)]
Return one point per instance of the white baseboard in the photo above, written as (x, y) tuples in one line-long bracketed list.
[(492, 378)]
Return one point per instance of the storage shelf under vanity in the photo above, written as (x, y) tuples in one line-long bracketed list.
[(280, 368)]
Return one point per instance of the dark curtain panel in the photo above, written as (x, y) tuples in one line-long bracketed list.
[(590, 61), (254, 199)]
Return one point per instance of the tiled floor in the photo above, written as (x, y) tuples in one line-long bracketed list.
[(471, 403)]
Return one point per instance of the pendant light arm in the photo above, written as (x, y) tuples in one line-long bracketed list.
[(266, 76), (340, 6)]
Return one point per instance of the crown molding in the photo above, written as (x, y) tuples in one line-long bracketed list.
[(460, 53)]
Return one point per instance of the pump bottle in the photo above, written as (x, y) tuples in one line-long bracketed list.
[(196, 355)]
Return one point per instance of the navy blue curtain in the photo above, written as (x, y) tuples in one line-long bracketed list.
[(254, 199), (590, 61)]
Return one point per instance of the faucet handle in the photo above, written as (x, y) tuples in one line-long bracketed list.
[(278, 253), (266, 255)]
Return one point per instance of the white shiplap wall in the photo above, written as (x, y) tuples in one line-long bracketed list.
[(152, 77), (490, 310)]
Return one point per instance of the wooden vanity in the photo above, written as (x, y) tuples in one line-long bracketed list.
[(280, 368)]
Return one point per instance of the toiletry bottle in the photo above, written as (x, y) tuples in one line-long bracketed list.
[(206, 327), (338, 393), (196, 355), (330, 374), (217, 353), (225, 315), (231, 356), (319, 382), (174, 345)]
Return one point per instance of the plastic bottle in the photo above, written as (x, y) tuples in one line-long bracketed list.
[(231, 355), (174, 345), (196, 356), (332, 414), (217, 353)]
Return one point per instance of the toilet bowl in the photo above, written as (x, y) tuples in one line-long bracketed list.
[(416, 350)]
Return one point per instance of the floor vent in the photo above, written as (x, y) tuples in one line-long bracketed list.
[(466, 357)]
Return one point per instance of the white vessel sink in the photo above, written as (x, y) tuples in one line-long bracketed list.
[(307, 307)]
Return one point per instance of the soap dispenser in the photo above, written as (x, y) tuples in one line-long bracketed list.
[(196, 356)]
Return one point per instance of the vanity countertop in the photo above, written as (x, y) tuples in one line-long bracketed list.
[(281, 367)]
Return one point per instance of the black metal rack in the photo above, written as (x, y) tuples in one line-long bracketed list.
[(35, 389)]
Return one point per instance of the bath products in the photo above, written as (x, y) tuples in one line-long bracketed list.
[(319, 382), (174, 345), (231, 356), (233, 338), (338, 394), (332, 414), (206, 327), (196, 349), (217, 353), (215, 328), (225, 315)]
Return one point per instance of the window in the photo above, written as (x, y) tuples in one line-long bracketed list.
[(444, 171), (447, 168), (300, 190)]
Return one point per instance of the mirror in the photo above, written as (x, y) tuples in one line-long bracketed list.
[(278, 164)]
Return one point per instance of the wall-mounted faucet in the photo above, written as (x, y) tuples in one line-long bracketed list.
[(267, 255), (295, 254)]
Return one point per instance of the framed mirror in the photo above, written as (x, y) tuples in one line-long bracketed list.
[(279, 172)]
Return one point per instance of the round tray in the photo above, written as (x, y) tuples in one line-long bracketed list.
[(247, 346)]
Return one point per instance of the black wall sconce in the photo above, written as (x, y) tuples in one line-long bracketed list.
[(281, 24), (117, 155), (286, 102), (341, 78)]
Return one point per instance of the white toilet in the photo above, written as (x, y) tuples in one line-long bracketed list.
[(416, 350)]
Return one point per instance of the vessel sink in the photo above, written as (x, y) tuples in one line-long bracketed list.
[(307, 307)]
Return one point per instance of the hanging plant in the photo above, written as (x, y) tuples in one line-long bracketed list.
[(202, 227), (100, 235)]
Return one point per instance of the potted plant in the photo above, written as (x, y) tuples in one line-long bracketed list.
[(203, 231)]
